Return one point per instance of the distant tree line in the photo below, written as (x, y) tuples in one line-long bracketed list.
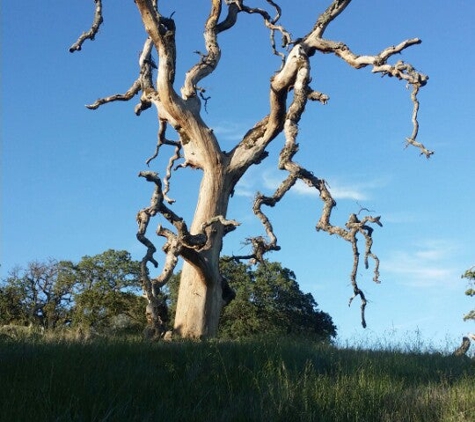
[(96, 292), (104, 292)]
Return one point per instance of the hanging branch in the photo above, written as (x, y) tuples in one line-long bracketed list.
[(271, 23), (302, 93), (97, 22), (412, 139), (156, 312), (142, 83), (400, 70), (168, 172), (162, 140)]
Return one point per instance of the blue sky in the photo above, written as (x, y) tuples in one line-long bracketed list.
[(69, 175)]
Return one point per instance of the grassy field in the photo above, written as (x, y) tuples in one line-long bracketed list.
[(260, 380)]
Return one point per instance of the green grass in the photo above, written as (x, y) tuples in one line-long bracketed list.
[(259, 380)]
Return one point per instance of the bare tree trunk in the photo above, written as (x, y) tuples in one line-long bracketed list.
[(200, 297), (199, 304)]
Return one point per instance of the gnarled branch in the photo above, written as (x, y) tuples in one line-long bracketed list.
[(271, 23), (91, 34), (142, 83), (209, 61), (296, 172), (399, 70)]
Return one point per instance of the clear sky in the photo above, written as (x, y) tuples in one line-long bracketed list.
[(69, 175)]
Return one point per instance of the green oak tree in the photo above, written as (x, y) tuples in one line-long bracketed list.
[(11, 309), (100, 291), (40, 294), (108, 287)]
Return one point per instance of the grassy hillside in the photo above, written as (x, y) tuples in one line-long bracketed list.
[(261, 380)]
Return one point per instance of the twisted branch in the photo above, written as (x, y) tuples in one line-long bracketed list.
[(151, 290), (271, 23), (412, 139), (96, 23), (400, 70), (302, 93), (162, 140), (142, 83), (181, 243), (208, 61)]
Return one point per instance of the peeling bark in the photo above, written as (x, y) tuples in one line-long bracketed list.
[(203, 292)]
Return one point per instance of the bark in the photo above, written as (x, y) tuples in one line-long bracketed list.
[(200, 297)]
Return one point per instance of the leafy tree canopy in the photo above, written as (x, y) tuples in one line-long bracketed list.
[(103, 291), (108, 285), (40, 294), (93, 293)]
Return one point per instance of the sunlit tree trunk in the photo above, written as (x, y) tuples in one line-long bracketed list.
[(199, 302), (200, 297)]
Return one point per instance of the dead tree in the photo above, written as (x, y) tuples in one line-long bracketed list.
[(203, 292)]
